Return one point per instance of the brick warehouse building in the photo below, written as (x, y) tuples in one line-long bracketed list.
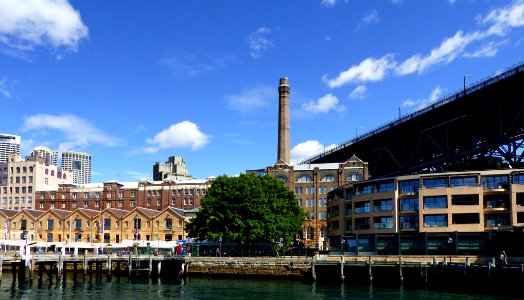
[(156, 195)]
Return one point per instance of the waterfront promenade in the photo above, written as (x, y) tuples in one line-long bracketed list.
[(334, 268)]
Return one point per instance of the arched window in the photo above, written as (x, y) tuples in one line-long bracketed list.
[(17, 169), (24, 169), (304, 178), (52, 172), (329, 177), (282, 177), (31, 169), (46, 171), (354, 177)]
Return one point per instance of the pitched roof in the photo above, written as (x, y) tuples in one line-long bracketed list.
[(8, 212), (60, 212)]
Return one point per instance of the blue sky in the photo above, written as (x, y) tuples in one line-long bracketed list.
[(134, 82)]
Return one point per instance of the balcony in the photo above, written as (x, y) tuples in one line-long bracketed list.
[(383, 208), (382, 225), (362, 210), (408, 225)]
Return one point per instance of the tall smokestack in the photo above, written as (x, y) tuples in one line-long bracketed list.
[(283, 121)]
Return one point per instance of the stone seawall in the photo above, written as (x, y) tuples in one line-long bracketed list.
[(249, 266)]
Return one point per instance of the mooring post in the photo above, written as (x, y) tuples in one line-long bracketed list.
[(150, 265), (109, 266), (1, 267), (84, 266), (313, 274), (400, 262), (521, 272), (159, 267), (59, 267), (342, 277), (129, 264), (468, 263), (32, 269), (369, 269), (13, 270)]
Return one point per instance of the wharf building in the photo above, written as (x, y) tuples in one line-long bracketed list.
[(20, 179), (80, 164), (310, 183), (473, 212), (8, 144), (110, 225)]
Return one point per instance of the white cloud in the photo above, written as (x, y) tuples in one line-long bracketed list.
[(138, 175), (184, 63), (3, 88), (259, 41), (323, 105), (77, 132), (307, 149), (371, 18), (252, 99), (504, 19), (435, 95), (370, 69), (29, 23), (358, 93), (489, 49), (449, 50), (185, 134), (328, 3)]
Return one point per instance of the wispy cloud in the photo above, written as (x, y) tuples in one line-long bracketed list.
[(252, 99), (358, 93), (76, 132), (54, 23), (328, 3), (370, 18), (4, 90), (323, 105), (434, 96), (500, 22), (185, 134), (184, 63), (138, 175), (370, 69), (259, 41), (307, 149)]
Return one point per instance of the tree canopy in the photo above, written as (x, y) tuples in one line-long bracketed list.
[(247, 208)]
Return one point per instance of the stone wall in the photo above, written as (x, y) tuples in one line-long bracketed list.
[(249, 266)]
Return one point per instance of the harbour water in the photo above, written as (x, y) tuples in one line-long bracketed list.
[(223, 288)]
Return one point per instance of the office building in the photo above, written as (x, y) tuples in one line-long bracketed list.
[(80, 164), (8, 144), (50, 156), (175, 169)]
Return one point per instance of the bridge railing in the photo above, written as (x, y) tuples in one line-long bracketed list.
[(478, 85)]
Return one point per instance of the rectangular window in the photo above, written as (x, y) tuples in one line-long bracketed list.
[(50, 224), (435, 220), (169, 223), (434, 183), (78, 224), (383, 222), (383, 205), (409, 222), (465, 199), (435, 202), (386, 187), (495, 182), (409, 204), (518, 179), (362, 207), (463, 181)]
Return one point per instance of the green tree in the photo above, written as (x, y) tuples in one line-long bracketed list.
[(247, 208)]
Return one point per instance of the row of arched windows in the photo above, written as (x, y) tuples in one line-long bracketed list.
[(325, 178)]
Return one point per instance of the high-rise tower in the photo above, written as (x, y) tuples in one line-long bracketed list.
[(80, 164), (283, 121), (8, 144)]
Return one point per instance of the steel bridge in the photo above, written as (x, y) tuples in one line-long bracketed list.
[(481, 127)]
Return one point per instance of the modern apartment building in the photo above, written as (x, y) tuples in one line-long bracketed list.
[(80, 164), (8, 144), (175, 169), (20, 179), (470, 212), (50, 156)]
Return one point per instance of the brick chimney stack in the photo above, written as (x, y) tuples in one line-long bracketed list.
[(283, 122)]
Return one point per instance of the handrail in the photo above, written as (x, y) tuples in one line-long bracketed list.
[(510, 71)]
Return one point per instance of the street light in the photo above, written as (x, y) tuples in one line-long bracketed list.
[(465, 83)]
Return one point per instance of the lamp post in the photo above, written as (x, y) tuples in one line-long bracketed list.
[(342, 246), (220, 240), (465, 83)]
